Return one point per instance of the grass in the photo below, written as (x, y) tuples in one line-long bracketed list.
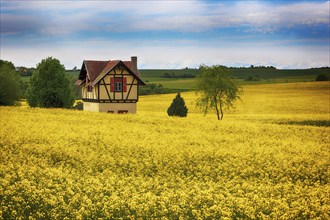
[(173, 85), (266, 76)]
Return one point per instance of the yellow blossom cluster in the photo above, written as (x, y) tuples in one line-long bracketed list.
[(268, 159)]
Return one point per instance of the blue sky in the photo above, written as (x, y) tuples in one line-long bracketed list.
[(168, 34)]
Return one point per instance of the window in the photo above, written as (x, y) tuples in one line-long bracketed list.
[(118, 86)]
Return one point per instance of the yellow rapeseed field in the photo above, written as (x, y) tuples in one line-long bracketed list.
[(268, 159)]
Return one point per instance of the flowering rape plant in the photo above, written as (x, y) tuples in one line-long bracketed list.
[(266, 161)]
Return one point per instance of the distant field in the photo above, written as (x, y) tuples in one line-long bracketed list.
[(71, 75), (268, 159), (264, 76)]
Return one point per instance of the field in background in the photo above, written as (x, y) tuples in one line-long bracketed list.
[(268, 159), (185, 80), (259, 75)]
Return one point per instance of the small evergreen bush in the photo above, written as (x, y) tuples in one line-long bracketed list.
[(178, 107)]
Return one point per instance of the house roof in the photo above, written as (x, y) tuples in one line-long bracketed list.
[(96, 70), (129, 64), (108, 67), (94, 67)]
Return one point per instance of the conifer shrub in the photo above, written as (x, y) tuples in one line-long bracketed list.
[(178, 107)]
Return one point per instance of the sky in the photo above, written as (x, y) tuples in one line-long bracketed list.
[(289, 34)]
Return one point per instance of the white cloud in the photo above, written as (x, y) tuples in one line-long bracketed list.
[(59, 19), (165, 56), (191, 16)]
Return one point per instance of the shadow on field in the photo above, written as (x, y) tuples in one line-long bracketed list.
[(319, 123)]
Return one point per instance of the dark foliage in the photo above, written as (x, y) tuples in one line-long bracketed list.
[(79, 106), (153, 88), (318, 123), (252, 78), (322, 77), (24, 85), (49, 86), (178, 107), (24, 71), (10, 83), (173, 75)]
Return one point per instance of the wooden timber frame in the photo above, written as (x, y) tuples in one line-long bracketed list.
[(110, 86), (116, 72)]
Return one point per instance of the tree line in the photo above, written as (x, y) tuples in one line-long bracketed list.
[(50, 87)]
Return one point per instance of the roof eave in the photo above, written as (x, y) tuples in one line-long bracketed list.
[(101, 76), (135, 75), (79, 82)]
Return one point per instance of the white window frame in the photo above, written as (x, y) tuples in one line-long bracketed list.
[(118, 86)]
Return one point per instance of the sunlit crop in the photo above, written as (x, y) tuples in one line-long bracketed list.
[(268, 159)]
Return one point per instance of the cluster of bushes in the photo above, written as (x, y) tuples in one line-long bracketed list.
[(154, 88), (49, 86), (173, 75), (78, 105), (252, 78), (24, 71), (322, 77), (322, 67), (255, 67)]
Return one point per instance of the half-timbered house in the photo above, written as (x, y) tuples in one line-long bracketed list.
[(110, 86)]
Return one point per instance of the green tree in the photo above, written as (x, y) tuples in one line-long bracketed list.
[(9, 83), (49, 86), (216, 89), (178, 107)]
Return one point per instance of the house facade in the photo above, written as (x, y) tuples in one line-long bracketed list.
[(110, 86)]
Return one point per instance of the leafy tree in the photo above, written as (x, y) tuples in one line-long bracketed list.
[(49, 86), (178, 107), (9, 83), (216, 89)]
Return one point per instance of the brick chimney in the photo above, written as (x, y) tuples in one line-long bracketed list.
[(134, 64)]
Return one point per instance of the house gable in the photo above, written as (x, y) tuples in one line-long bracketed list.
[(90, 69), (117, 64)]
